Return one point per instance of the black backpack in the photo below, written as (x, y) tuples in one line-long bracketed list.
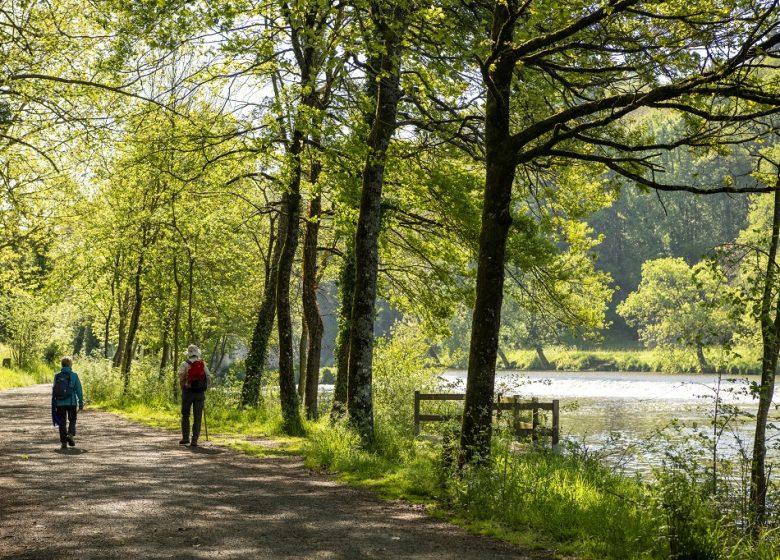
[(62, 389)]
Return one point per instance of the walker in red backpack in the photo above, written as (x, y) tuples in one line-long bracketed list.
[(196, 376)]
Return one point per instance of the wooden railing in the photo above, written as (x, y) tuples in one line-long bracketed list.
[(512, 404)]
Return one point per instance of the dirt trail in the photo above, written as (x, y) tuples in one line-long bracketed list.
[(130, 491)]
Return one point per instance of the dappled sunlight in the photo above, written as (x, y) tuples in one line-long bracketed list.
[(135, 492)]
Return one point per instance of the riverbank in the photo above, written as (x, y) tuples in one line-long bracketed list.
[(741, 361)]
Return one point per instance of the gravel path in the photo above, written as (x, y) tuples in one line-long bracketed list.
[(130, 491)]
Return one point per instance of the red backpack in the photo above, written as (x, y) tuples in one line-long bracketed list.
[(196, 376)]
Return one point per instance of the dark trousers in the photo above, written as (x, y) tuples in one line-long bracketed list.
[(67, 415), (196, 402)]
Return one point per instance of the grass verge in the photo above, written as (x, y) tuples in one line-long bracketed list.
[(17, 377)]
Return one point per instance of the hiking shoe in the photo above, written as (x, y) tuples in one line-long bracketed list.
[(184, 442), (71, 441), (194, 444)]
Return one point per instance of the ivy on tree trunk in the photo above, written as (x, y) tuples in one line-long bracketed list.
[(258, 349), (310, 308), (360, 396), (496, 220)]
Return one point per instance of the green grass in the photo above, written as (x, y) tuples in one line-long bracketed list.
[(17, 377), (573, 505)]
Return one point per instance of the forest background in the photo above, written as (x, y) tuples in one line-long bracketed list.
[(422, 184)]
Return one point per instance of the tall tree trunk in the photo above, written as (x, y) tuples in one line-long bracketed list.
[(496, 220), (310, 308), (303, 344), (165, 357), (107, 328), (361, 343), (347, 275), (190, 327), (123, 307), (110, 314), (346, 293), (127, 359), (291, 203), (176, 328), (770, 339), (258, 350)]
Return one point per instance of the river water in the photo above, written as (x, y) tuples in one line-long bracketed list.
[(609, 411)]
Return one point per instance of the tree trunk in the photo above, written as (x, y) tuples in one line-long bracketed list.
[(165, 357), (291, 202), (190, 326), (302, 345), (222, 351), (496, 220), (770, 339), (543, 361), (123, 307), (176, 328), (704, 367), (346, 282), (258, 350), (127, 359), (107, 329), (361, 343), (311, 309), (346, 291), (110, 314), (91, 342), (504, 361)]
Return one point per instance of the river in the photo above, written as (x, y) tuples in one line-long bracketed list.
[(612, 410)]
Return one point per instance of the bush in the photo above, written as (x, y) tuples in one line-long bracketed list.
[(400, 369)]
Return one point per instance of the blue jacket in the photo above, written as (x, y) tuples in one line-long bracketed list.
[(76, 392)]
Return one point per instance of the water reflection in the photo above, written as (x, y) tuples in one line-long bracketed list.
[(596, 406)]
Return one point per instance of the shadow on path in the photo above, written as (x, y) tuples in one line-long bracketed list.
[(132, 492)]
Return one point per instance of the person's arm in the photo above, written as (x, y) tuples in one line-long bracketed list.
[(79, 392), (208, 374)]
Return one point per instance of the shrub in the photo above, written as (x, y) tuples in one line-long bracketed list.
[(400, 369)]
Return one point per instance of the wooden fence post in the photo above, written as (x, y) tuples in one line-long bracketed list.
[(416, 413), (535, 421), (555, 425)]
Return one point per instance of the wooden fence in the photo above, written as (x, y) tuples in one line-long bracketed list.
[(512, 404)]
